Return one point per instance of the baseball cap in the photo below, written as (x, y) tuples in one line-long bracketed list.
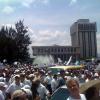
[(2, 84)]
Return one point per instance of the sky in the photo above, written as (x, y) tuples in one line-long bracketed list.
[(49, 21)]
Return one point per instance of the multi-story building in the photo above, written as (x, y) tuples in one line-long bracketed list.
[(83, 38), (62, 52), (83, 34)]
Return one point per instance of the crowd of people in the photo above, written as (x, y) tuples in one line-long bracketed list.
[(25, 82)]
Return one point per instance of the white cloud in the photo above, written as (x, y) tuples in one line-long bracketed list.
[(27, 3), (8, 10), (45, 1), (47, 37), (72, 2), (7, 1), (45, 33)]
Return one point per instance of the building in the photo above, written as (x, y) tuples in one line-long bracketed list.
[(83, 34), (83, 38), (62, 52)]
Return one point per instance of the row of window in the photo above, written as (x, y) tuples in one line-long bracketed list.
[(48, 50), (86, 27)]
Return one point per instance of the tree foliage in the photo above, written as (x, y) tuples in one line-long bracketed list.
[(14, 42)]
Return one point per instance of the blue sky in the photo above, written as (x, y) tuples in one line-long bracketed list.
[(49, 21)]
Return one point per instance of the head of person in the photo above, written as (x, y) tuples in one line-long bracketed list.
[(27, 88), (31, 77), (62, 73), (19, 95), (22, 76), (55, 76), (49, 73), (92, 93), (7, 78), (17, 79), (3, 86), (73, 86)]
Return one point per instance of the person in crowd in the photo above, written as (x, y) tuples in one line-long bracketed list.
[(19, 95), (35, 93), (42, 91), (92, 93), (31, 77), (88, 77), (7, 78), (1, 73), (24, 80), (73, 88), (28, 91), (14, 86), (47, 81), (61, 80), (54, 83), (2, 90), (37, 74)]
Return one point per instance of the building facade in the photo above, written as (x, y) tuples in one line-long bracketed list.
[(83, 34), (62, 52), (83, 38)]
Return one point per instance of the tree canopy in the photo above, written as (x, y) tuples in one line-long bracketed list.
[(14, 42)]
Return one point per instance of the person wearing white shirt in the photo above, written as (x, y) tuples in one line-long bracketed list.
[(3, 87), (1, 96), (54, 83), (42, 91), (24, 80), (73, 88), (16, 85), (47, 81), (82, 97)]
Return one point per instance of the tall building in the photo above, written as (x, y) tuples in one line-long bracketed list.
[(83, 34)]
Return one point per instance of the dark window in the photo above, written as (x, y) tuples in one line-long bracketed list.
[(71, 49), (58, 50), (74, 49), (61, 49)]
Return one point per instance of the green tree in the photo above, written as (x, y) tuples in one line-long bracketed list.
[(14, 43)]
